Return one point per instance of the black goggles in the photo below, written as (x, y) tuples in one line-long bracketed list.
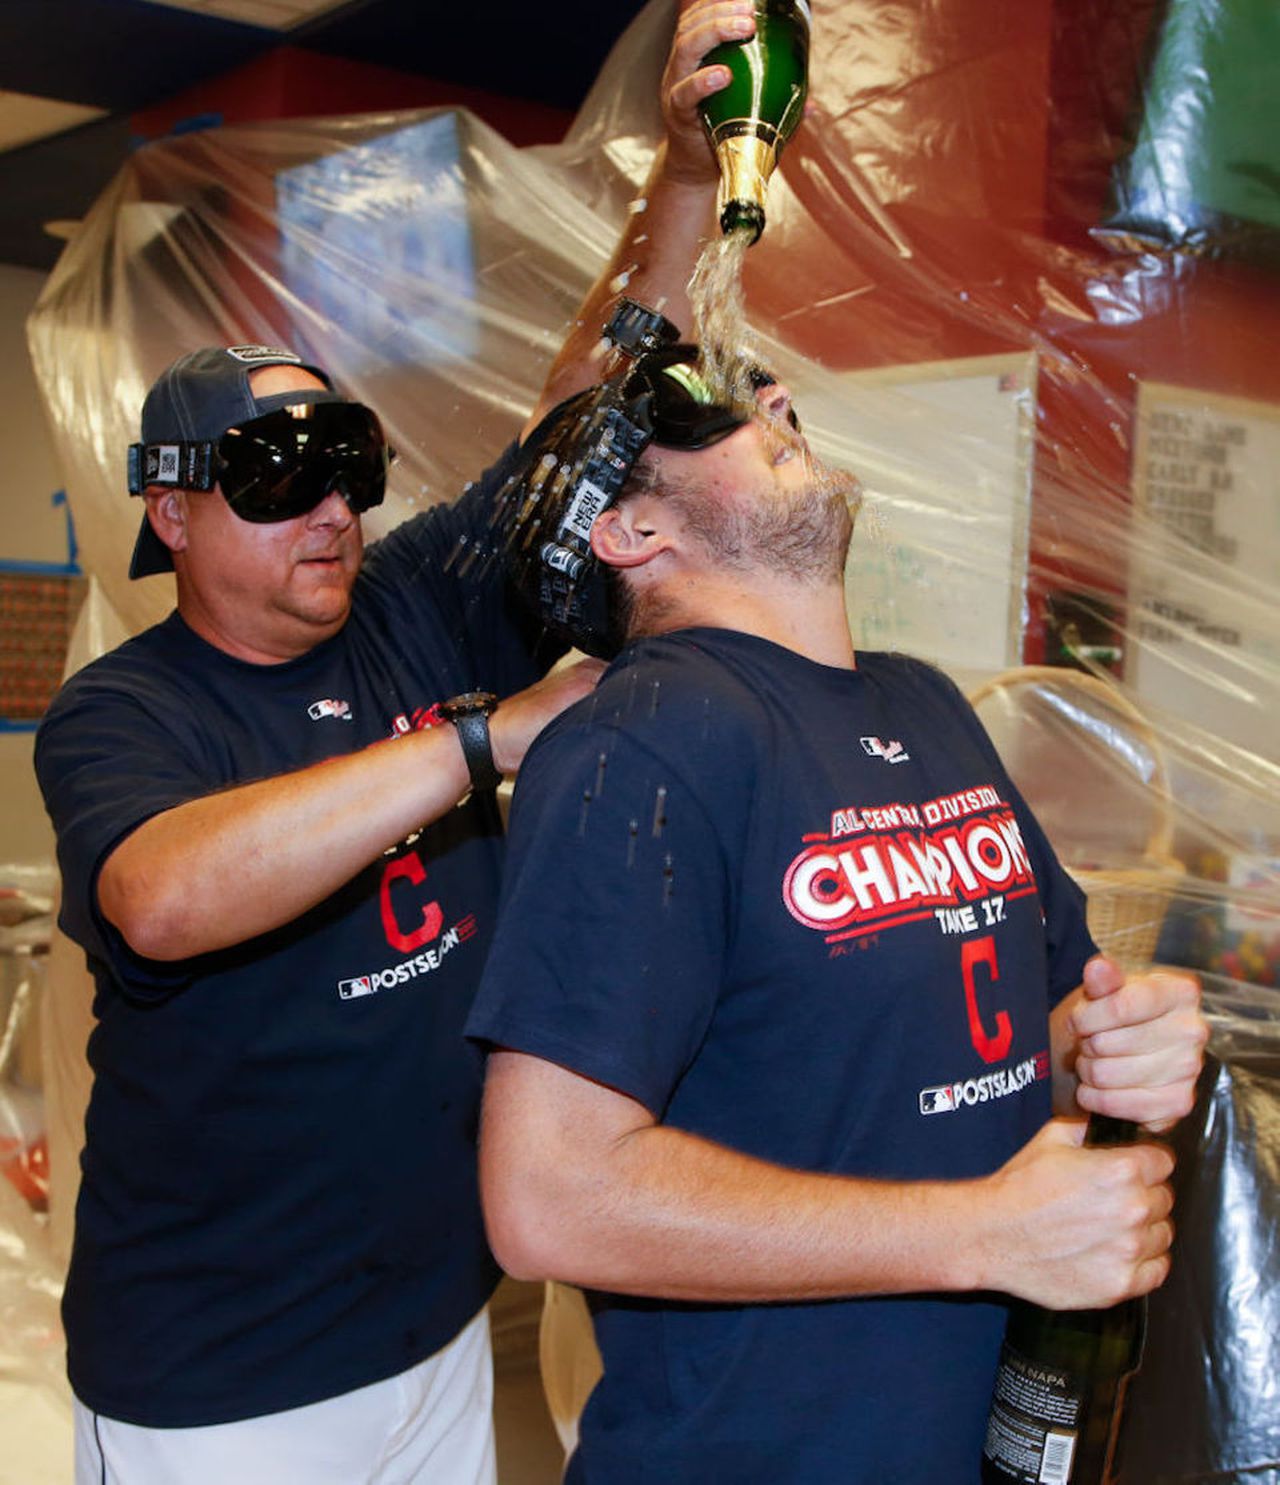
[(680, 405), (279, 465)]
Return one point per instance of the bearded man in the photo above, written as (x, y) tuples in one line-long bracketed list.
[(788, 986)]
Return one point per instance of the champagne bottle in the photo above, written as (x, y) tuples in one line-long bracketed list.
[(749, 121), (1060, 1386)]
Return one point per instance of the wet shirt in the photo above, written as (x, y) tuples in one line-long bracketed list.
[(803, 912), (279, 1199)]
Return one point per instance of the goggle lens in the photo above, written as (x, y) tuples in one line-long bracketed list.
[(683, 407), (286, 462)]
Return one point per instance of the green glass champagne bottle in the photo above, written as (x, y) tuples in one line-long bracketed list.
[(1059, 1392), (749, 121)]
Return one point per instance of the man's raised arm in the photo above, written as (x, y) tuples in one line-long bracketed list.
[(660, 244)]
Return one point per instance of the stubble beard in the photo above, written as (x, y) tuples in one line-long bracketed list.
[(801, 534)]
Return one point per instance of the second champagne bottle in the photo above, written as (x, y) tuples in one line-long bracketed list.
[(1059, 1394)]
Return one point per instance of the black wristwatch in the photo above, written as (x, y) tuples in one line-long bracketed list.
[(470, 714)]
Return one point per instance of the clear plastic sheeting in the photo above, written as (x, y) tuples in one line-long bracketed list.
[(26, 921), (1095, 771), (35, 1404), (1068, 432), (30, 1290), (1201, 175), (33, 1386), (45, 1018)]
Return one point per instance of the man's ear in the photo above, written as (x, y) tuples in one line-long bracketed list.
[(625, 536), (167, 512)]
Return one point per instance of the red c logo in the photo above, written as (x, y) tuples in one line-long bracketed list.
[(990, 1048), (432, 917)]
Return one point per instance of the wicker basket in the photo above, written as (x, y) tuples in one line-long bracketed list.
[(1127, 905)]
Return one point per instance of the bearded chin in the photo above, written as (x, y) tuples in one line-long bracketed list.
[(806, 536), (802, 533)]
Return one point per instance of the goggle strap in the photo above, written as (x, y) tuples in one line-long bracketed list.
[(634, 328), (187, 466), (615, 442)]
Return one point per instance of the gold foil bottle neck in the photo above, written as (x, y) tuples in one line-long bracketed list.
[(746, 163)]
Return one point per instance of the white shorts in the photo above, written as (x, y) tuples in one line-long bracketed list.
[(431, 1425)]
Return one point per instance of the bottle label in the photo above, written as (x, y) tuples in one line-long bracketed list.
[(1035, 1420)]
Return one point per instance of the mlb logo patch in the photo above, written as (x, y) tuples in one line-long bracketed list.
[(891, 752), (350, 989), (937, 1100), (329, 707)]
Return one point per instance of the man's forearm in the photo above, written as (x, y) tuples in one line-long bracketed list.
[(581, 1183), (223, 869), (652, 263), (692, 1220), (666, 1213), (663, 238)]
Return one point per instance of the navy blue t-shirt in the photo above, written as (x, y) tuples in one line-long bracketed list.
[(803, 912), (279, 1199)]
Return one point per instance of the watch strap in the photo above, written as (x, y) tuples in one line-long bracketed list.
[(473, 733)]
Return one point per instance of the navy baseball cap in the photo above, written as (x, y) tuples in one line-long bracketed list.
[(199, 397)]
